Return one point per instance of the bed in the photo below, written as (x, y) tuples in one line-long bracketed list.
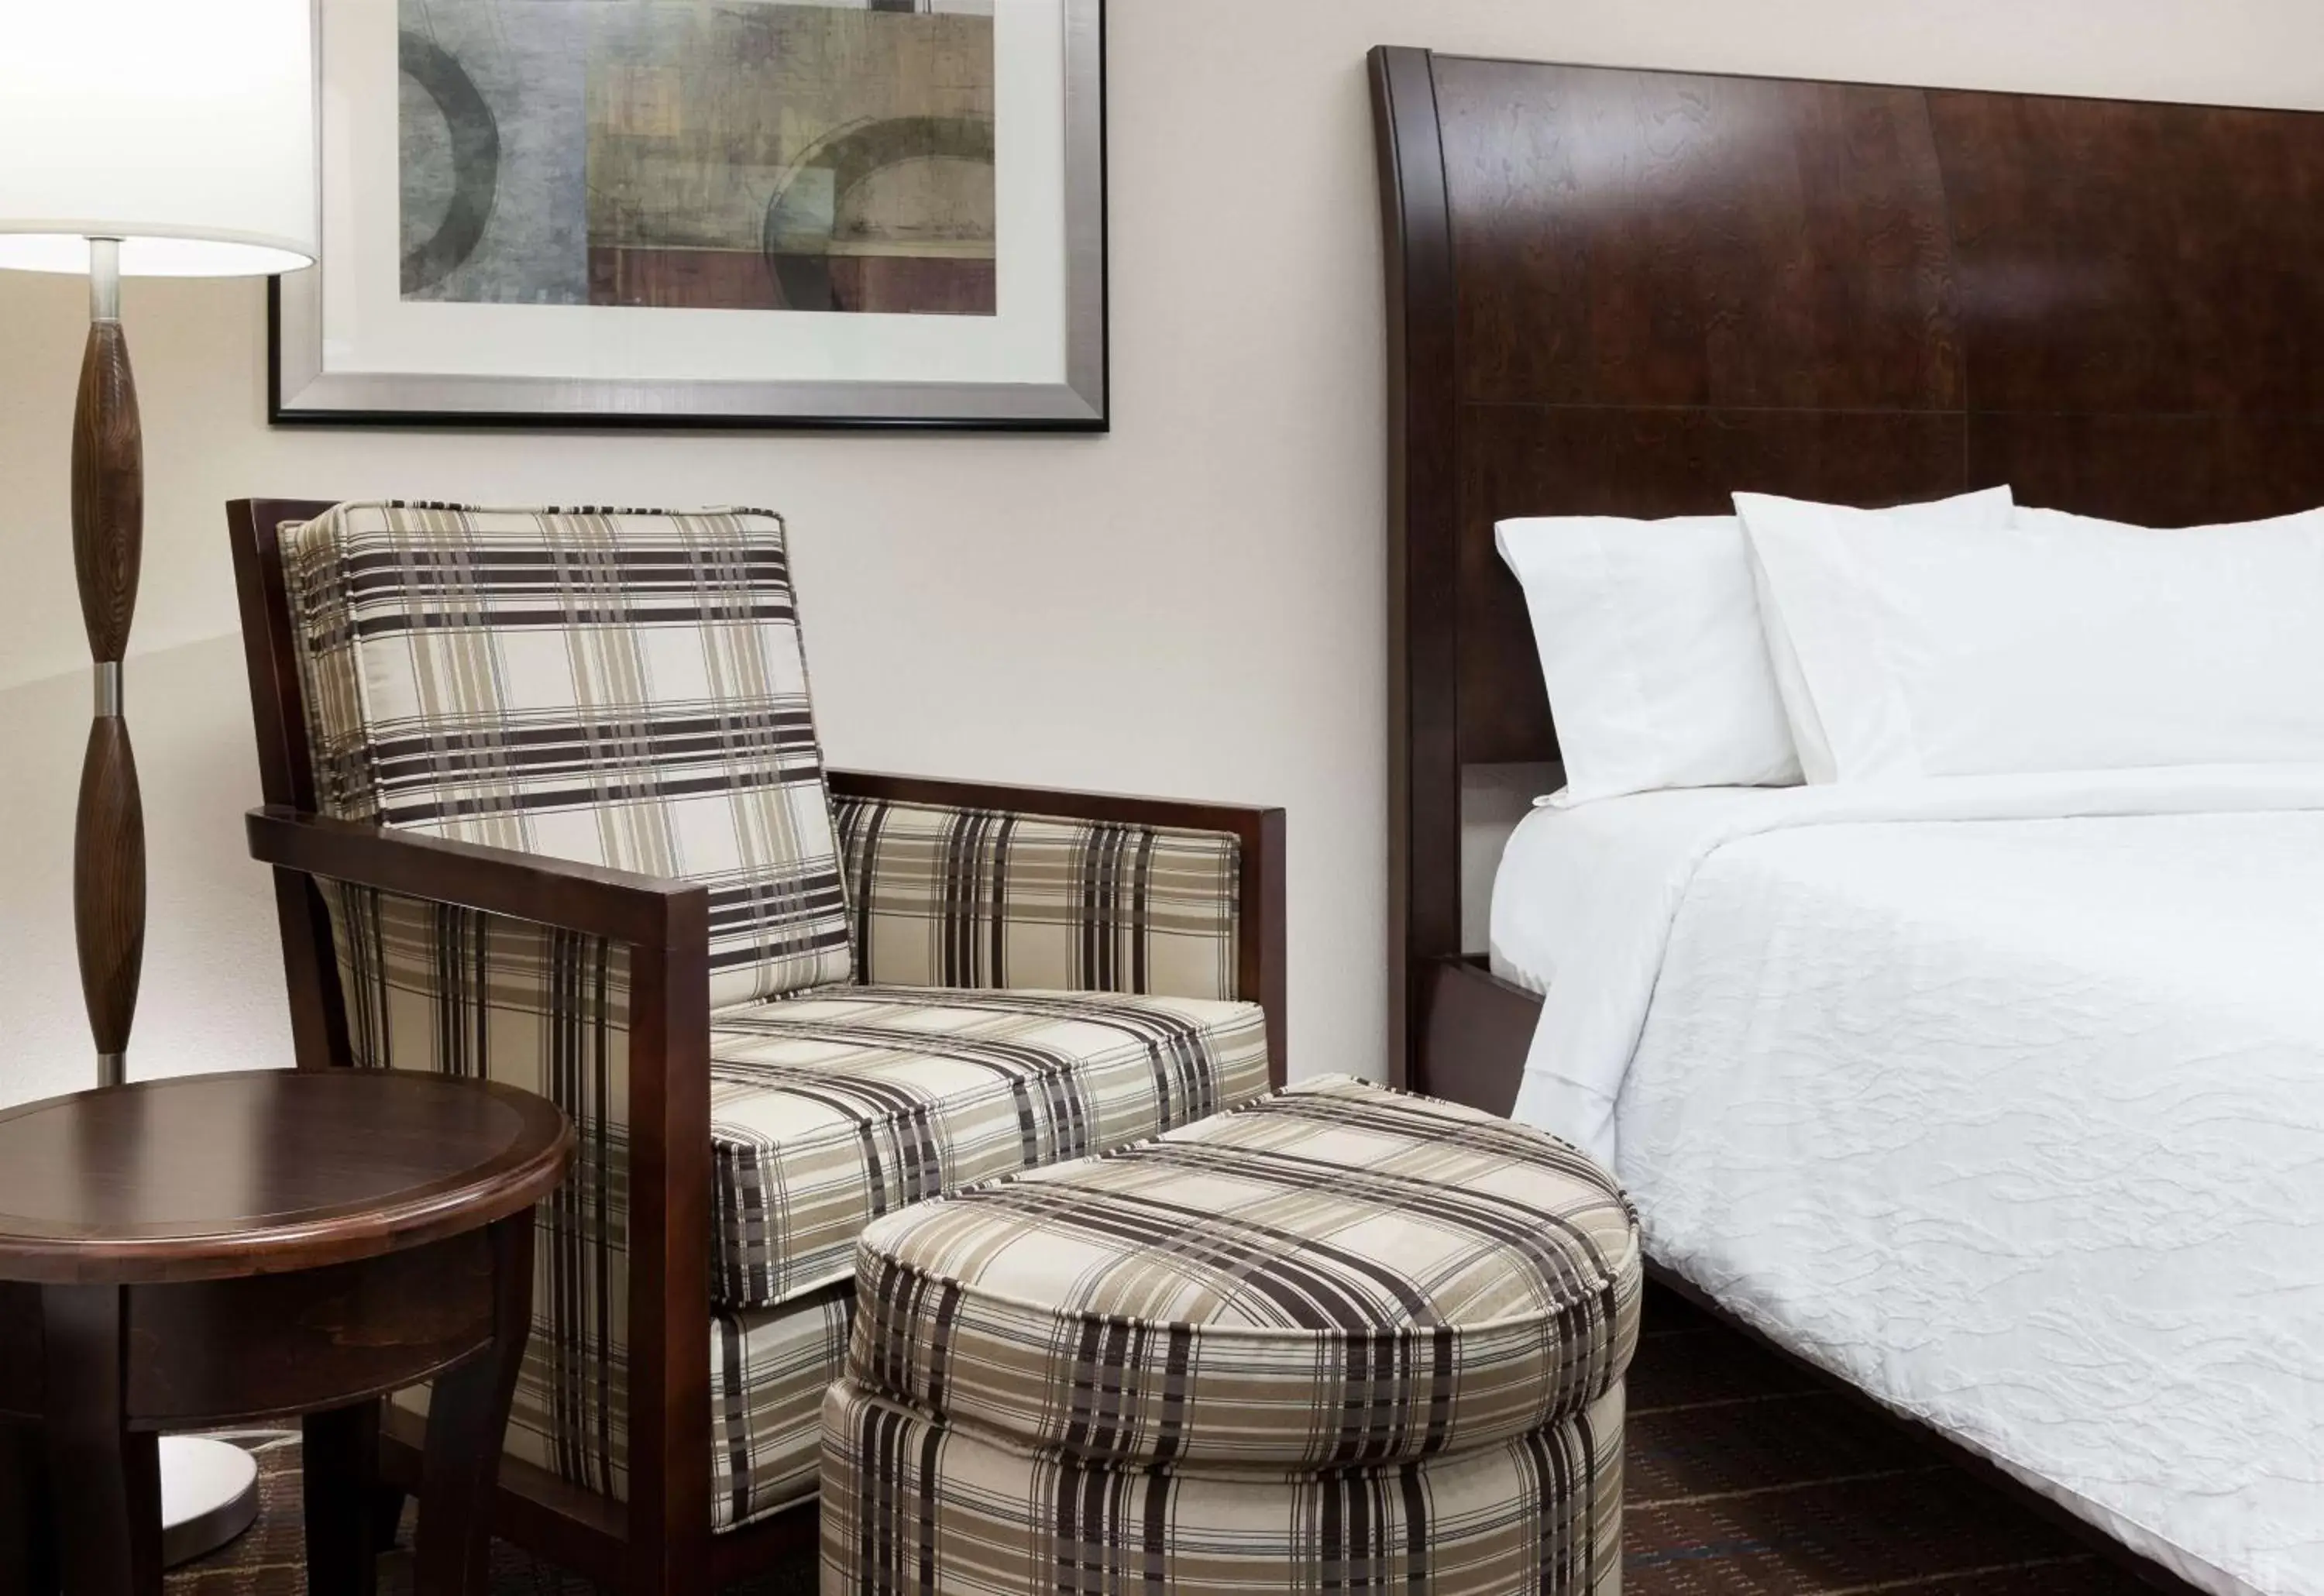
[(2073, 1221)]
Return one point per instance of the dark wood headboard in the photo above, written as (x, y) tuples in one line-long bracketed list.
[(1632, 293)]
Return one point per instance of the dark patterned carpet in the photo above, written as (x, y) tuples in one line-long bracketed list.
[(1746, 1479)]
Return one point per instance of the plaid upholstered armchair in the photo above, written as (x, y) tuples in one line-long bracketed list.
[(545, 802)]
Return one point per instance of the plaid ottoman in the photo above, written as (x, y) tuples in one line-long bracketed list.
[(1342, 1340)]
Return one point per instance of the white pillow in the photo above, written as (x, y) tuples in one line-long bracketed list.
[(2060, 643), (1988, 508), (1651, 648)]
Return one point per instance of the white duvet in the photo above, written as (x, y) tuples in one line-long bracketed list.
[(2001, 1097)]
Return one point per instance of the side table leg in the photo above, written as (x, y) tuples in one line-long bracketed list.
[(28, 1550), (386, 1516), (467, 1418), (341, 1460), (105, 1479)]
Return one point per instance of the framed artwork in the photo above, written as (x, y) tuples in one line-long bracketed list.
[(741, 213)]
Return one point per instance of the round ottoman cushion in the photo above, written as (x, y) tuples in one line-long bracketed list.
[(1336, 1276)]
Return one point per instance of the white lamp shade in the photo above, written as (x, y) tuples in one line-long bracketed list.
[(184, 128)]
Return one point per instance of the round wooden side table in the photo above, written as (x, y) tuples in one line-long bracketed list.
[(215, 1250)]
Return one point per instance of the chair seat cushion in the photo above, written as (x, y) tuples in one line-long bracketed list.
[(833, 1108), (1336, 1276)]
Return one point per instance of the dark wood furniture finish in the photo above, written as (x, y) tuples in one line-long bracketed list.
[(1632, 293), (108, 526), (221, 1249), (659, 1540)]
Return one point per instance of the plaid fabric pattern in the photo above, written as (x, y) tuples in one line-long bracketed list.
[(976, 898), (1335, 1277), (914, 1506), (431, 987), (832, 1108), (621, 688), (769, 1371)]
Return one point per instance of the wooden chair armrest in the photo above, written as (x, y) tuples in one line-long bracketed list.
[(1243, 821), (641, 911), (667, 926)]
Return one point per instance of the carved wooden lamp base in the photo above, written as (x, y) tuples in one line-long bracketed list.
[(209, 1489), (108, 520)]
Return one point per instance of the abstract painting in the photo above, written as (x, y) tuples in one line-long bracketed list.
[(744, 155), (531, 205)]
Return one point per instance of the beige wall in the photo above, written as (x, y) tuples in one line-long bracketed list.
[(1192, 606)]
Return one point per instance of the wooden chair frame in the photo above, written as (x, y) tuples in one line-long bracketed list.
[(660, 1540)]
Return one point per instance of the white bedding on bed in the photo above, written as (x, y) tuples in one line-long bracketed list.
[(2001, 1097)]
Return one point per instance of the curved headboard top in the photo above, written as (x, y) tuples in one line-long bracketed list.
[(1632, 293)]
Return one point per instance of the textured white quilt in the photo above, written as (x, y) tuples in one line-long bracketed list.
[(2003, 1098)]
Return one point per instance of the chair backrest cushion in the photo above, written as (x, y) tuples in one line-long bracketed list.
[(625, 688)]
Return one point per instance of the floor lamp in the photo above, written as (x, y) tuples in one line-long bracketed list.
[(167, 139)]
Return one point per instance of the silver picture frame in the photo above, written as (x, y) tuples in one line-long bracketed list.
[(302, 392)]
